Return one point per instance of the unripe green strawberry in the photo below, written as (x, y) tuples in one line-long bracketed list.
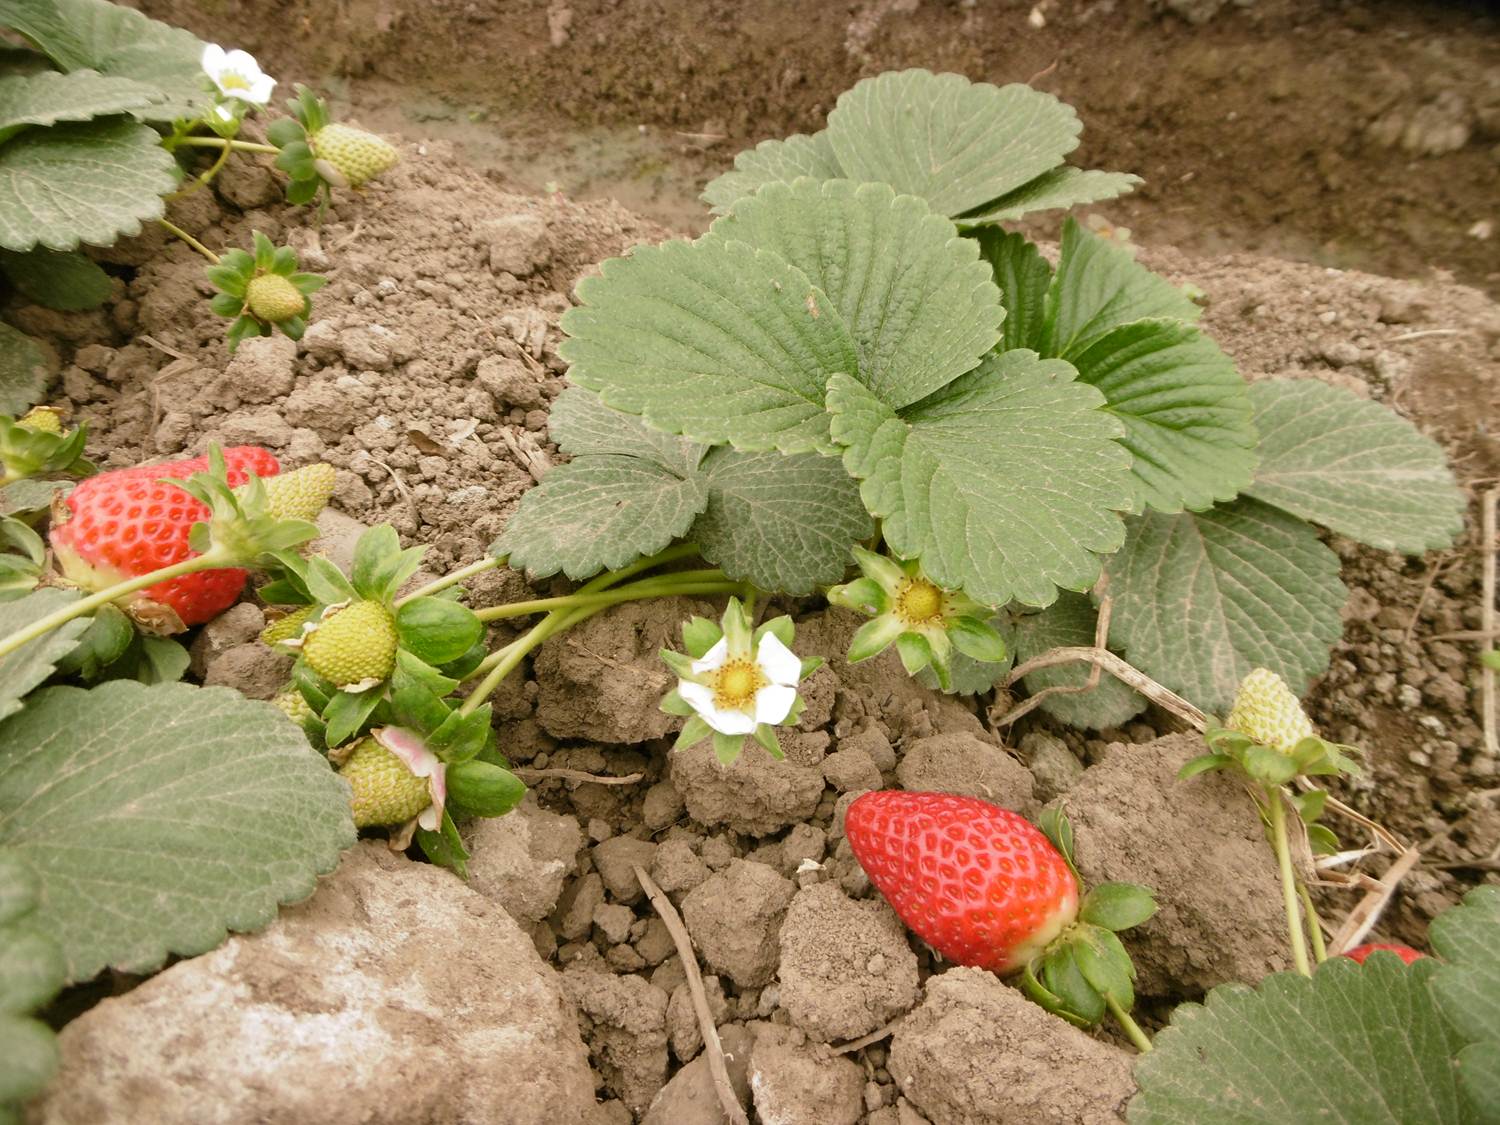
[(1266, 710), (293, 705), (286, 628), (43, 419), (385, 791), (358, 156), (300, 494), (272, 298), (353, 644)]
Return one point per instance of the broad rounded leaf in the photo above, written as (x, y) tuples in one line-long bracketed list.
[(956, 143), (33, 662), (1202, 599), (25, 370), (1024, 278), (1354, 1044), (81, 182), (772, 162), (58, 279), (1056, 190), (712, 340), (580, 424), (1186, 412), (920, 304), (1099, 286), (1005, 483), (1353, 466), (48, 97), (1467, 988), (1068, 622), (28, 1056), (783, 523), (161, 818), (31, 969)]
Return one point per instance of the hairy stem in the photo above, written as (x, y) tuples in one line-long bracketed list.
[(489, 562), (209, 561), (220, 142), (1277, 812), (1128, 1025), (190, 240), (1314, 924)]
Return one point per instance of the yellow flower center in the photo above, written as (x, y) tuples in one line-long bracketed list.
[(735, 684), (918, 602), (229, 80)]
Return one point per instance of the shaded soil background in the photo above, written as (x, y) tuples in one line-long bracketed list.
[(1361, 135)]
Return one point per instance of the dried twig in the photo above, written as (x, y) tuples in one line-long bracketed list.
[(711, 1045), (1426, 332), (1364, 915), (1163, 697), (1487, 623), (1437, 567), (575, 775), (865, 1040)]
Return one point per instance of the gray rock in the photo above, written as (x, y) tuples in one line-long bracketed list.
[(509, 383), (516, 244), (520, 860), (1054, 768), (851, 768), (394, 995), (237, 625), (252, 669), (757, 795)]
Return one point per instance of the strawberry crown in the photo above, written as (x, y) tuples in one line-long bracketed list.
[(241, 526), (238, 269), (28, 451)]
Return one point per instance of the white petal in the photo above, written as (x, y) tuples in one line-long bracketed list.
[(697, 696), (774, 703), (714, 658), (213, 59), (408, 746), (260, 90), (431, 818), (779, 663), (242, 63), (729, 722)]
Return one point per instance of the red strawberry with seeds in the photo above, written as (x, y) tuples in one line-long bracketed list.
[(978, 883), (1405, 952), (126, 523)]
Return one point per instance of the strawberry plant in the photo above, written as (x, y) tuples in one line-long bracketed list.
[(109, 97)]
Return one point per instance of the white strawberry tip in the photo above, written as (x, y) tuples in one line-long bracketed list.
[(1044, 935), (409, 747)]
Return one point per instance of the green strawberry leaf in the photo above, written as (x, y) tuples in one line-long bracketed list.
[(1005, 483), (90, 181), (1201, 599), (159, 818), (26, 668), (712, 340), (1067, 623), (48, 97), (1024, 278), (1355, 1043), (25, 371), (25, 496), (1467, 990), (1056, 190), (958, 144), (1353, 466), (63, 280), (919, 303), (772, 162), (28, 1058)]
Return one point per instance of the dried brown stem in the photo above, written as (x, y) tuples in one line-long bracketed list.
[(1362, 918), (1102, 658), (865, 1040)]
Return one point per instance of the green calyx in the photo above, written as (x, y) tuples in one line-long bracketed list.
[(241, 529), (262, 291), (1266, 766), (923, 620), (37, 445), (318, 155)]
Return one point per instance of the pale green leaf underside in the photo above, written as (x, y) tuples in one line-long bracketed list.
[(1056, 190), (1201, 599), (772, 162), (32, 663), (159, 818), (89, 181), (712, 340), (784, 523), (1186, 412), (920, 305), (1006, 483), (1024, 277), (1099, 286), (122, 43), (1353, 466), (580, 424), (1070, 621), (28, 1058), (956, 143), (48, 97), (1355, 1045), (58, 279), (24, 371)]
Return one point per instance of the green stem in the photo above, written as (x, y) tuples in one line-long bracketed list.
[(685, 582), (487, 563), (504, 661), (1128, 1025), (67, 613), (190, 240), (220, 142), (204, 177), (1288, 879), (1314, 924)]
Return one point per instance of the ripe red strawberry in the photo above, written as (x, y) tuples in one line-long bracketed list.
[(126, 523), (1405, 952), (979, 884)]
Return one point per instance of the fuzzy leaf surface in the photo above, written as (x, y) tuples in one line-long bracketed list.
[(90, 181), (1056, 190), (25, 371), (160, 818), (920, 304), (1353, 1044), (48, 97), (772, 162), (1353, 466), (1024, 278), (1201, 599), (1005, 483), (712, 340), (58, 279), (1467, 989), (956, 143), (33, 662), (1070, 621), (1186, 412)]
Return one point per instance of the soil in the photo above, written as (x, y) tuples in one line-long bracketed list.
[(425, 379)]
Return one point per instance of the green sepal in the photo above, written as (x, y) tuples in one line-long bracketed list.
[(285, 131), (1051, 1001), (293, 327), (417, 691), (436, 630), (1205, 763), (782, 628), (680, 663), (765, 734), (977, 640), (482, 789), (461, 737), (227, 305), (445, 847), (1310, 805), (863, 595), (25, 451), (810, 665), (1104, 964), (673, 704), (1321, 840), (314, 688), (300, 190), (265, 251), (308, 109), (1080, 1002), (230, 282), (694, 731), (1117, 906), (1267, 766), (243, 328), (916, 654), (885, 572), (239, 261), (107, 639), (307, 283), (32, 969), (464, 667), (728, 747), (699, 635), (1056, 826), (380, 566), (348, 712), (736, 626), (1490, 658), (284, 261), (874, 637)]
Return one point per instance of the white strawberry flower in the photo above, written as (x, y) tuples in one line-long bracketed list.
[(237, 74)]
